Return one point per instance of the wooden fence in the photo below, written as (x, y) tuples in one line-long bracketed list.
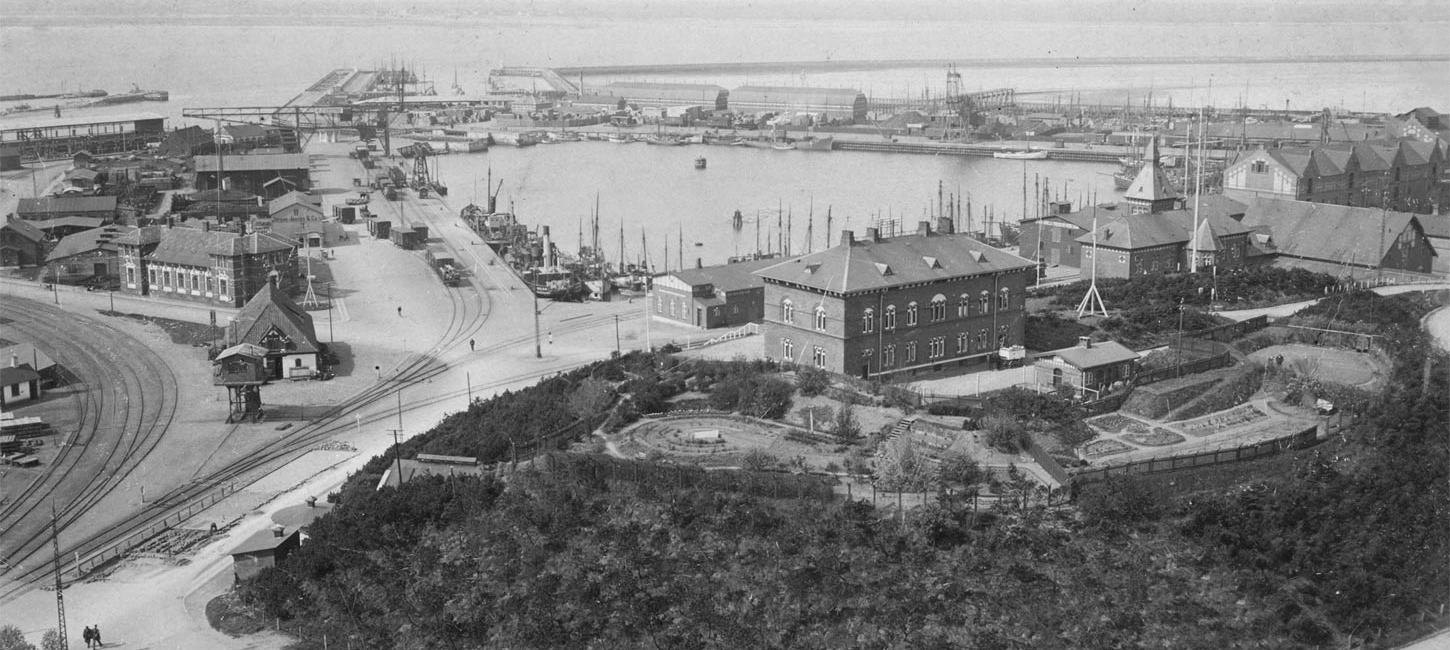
[(1230, 331), (1297, 440), (171, 520)]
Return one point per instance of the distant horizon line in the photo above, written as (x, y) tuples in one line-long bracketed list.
[(980, 62)]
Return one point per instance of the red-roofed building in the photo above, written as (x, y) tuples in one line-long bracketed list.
[(881, 306), (208, 266)]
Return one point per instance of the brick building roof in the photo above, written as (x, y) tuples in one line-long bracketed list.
[(864, 265)]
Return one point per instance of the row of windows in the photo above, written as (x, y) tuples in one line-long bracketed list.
[(180, 280), (938, 309), (818, 353)]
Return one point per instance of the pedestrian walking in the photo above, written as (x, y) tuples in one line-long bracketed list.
[(551, 338), (400, 312), (89, 636), (470, 345), (96, 634)]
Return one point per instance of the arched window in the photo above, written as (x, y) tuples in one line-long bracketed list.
[(888, 320), (787, 311), (938, 308), (964, 305), (818, 356), (984, 302), (911, 352), (821, 318), (982, 339), (787, 350), (1004, 299), (911, 314), (937, 347), (961, 342), (868, 321), (888, 356), (1002, 337)]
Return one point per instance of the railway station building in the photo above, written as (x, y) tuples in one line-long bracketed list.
[(881, 306), (221, 268)]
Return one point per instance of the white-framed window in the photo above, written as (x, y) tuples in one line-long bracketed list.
[(888, 319), (659, 304), (818, 356), (1122, 259), (911, 352), (937, 347), (787, 349), (964, 306), (1004, 299), (1260, 166), (1003, 337), (961, 343), (982, 339), (984, 302), (821, 318), (911, 314), (868, 321), (672, 307), (787, 311), (222, 286), (938, 308), (888, 356), (131, 275)]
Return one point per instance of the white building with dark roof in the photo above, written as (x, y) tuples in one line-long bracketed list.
[(221, 268), (886, 305), (274, 322)]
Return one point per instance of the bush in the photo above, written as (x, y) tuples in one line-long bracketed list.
[(847, 428), (1120, 501), (757, 460), (958, 468), (812, 381), (1004, 433)]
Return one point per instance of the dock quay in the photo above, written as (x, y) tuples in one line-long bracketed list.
[(951, 149)]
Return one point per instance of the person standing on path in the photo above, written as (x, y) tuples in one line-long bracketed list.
[(400, 312), (470, 345)]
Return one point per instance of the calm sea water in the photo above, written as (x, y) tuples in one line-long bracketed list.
[(266, 59)]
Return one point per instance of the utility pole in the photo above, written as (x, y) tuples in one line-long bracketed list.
[(59, 587), (538, 351), (617, 349)]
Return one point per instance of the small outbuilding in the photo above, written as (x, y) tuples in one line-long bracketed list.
[(18, 383), (404, 470), (1087, 366), (264, 549), (276, 323)]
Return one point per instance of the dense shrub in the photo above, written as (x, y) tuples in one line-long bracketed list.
[(812, 381)]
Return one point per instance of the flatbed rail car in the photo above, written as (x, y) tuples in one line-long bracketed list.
[(443, 263)]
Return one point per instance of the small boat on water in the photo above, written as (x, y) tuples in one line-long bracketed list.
[(620, 138), (1021, 155), (700, 162), (782, 146)]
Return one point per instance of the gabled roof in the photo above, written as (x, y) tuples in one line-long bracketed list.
[(82, 173), (104, 239), (293, 198), (242, 350), (858, 266), (143, 236), (254, 162), (1152, 183), (192, 247), (1435, 225), (1333, 233), (26, 229), (727, 277), (11, 375), (271, 309), (1100, 354), (1120, 229), (66, 204), (68, 222)]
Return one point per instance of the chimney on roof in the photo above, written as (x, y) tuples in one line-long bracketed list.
[(873, 234), (945, 226), (923, 228), (1084, 342), (848, 237), (14, 360), (278, 531)]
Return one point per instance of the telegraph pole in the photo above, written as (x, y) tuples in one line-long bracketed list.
[(59, 593), (538, 351)]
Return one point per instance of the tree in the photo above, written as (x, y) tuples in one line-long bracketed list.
[(12, 639), (769, 398), (958, 468), (591, 397), (758, 460), (51, 641), (1004, 433), (846, 426)]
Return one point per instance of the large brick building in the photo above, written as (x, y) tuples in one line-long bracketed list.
[(728, 295), (220, 268), (1407, 175), (1339, 240), (880, 306)]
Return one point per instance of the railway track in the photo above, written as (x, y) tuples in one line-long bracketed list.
[(469, 310)]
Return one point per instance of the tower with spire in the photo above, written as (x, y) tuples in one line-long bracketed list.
[(1151, 192)]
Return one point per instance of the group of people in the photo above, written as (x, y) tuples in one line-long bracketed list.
[(92, 635)]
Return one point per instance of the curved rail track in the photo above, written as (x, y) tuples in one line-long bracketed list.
[(469, 309)]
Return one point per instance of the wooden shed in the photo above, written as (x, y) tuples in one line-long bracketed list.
[(264, 549)]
